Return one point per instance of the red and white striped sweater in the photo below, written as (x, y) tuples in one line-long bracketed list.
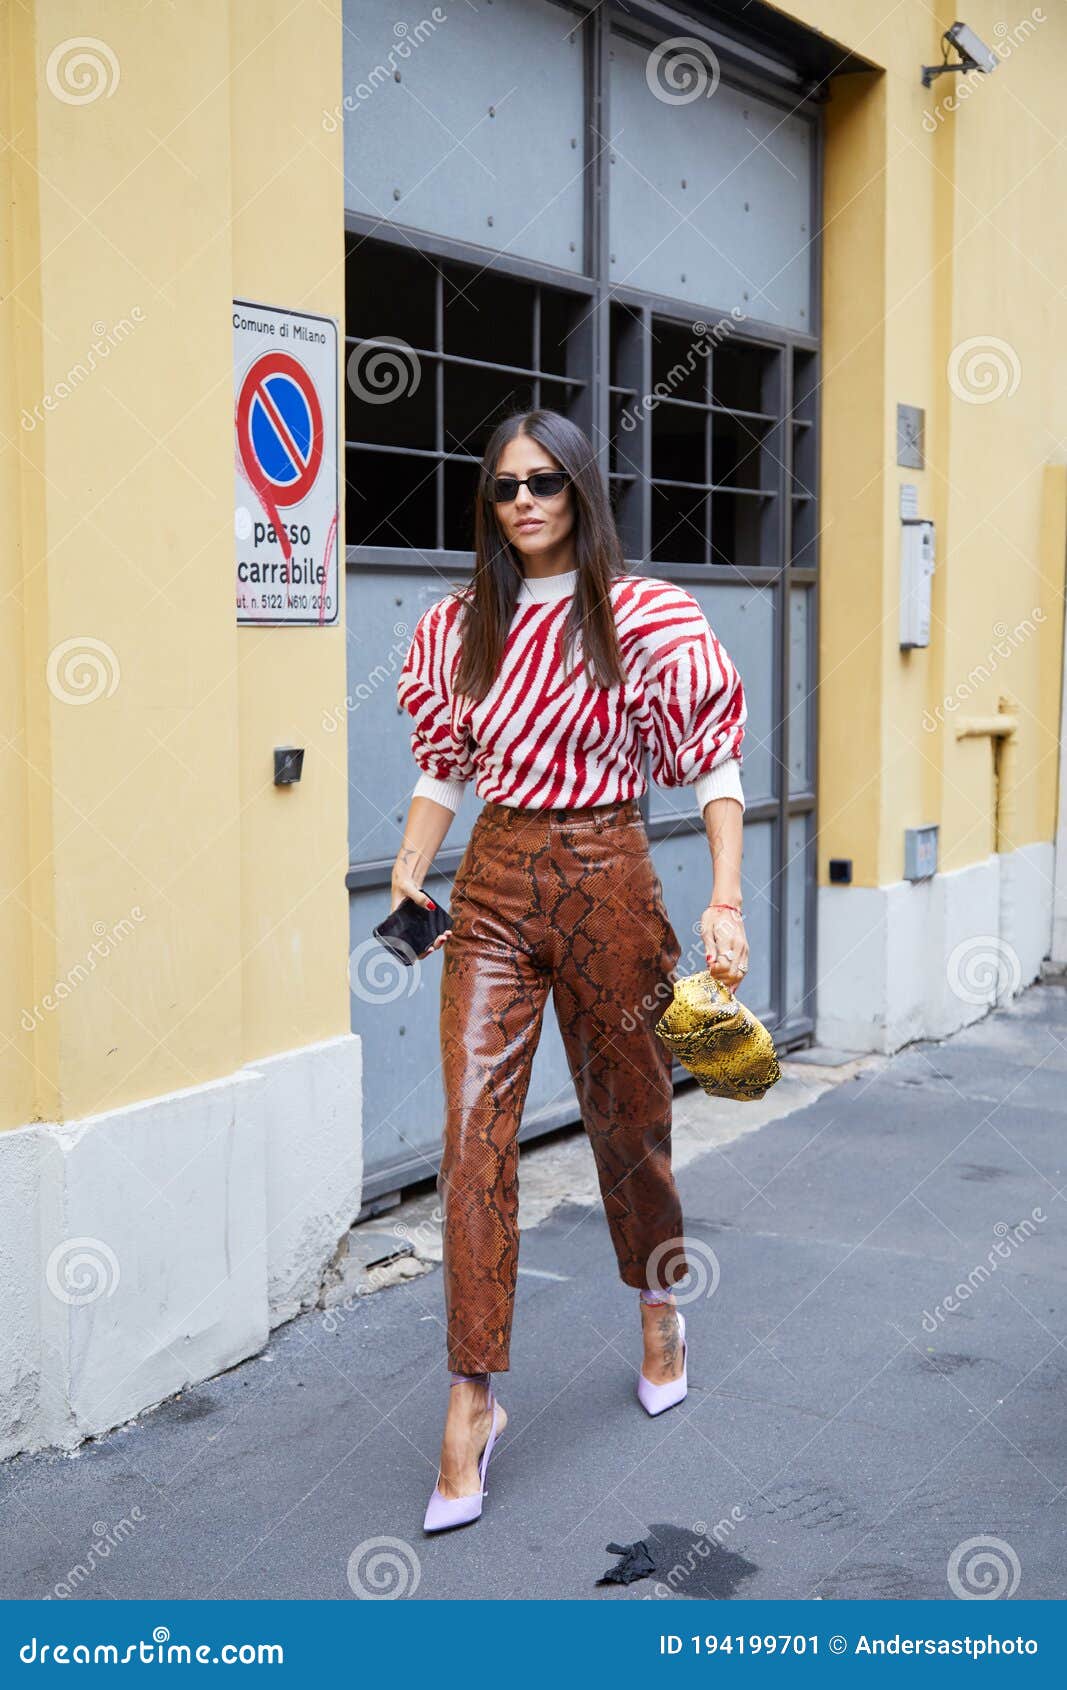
[(539, 741)]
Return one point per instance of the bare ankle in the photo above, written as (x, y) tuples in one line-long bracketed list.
[(470, 1395)]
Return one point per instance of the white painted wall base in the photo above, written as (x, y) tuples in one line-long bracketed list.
[(154, 1246), (920, 959)]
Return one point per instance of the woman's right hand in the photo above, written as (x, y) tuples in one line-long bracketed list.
[(427, 824), (405, 886)]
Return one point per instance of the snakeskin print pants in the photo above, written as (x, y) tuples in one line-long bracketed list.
[(568, 900)]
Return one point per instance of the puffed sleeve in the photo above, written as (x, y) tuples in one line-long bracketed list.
[(442, 750), (698, 709)]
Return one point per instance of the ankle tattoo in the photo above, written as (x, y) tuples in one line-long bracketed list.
[(668, 1332)]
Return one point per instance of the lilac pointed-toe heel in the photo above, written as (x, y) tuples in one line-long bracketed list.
[(442, 1512), (655, 1398)]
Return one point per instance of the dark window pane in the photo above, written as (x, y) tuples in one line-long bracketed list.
[(390, 500), (805, 376), (678, 446), (561, 397), (677, 361), (389, 397), (739, 456), (677, 526), (740, 529), (805, 379), (626, 504), (625, 439), (488, 316), (626, 347), (745, 377), (804, 536), (389, 290), (803, 459), (560, 333), (461, 488), (475, 401)]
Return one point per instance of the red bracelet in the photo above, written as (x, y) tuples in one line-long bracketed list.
[(725, 907)]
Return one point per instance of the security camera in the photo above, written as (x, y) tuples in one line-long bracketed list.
[(973, 52)]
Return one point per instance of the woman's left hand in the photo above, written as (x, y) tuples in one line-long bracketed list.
[(725, 945)]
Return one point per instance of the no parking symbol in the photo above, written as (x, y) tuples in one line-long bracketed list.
[(285, 425)]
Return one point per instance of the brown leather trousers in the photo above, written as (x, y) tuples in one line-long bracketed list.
[(567, 899)]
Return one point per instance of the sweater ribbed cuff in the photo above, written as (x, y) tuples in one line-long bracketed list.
[(724, 781), (447, 792)]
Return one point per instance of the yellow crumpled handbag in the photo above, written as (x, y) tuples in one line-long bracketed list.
[(723, 1045)]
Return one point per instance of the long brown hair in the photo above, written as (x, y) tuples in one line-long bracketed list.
[(491, 597)]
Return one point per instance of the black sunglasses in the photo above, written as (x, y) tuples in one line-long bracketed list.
[(544, 485)]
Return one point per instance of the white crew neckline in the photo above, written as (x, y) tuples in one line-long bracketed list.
[(541, 589)]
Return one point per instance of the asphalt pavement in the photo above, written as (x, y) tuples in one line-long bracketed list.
[(876, 1407)]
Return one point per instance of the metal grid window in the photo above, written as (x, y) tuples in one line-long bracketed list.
[(422, 396), (705, 422), (709, 433), (699, 454)]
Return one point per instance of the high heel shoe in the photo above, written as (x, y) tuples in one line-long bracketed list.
[(655, 1398), (443, 1512)]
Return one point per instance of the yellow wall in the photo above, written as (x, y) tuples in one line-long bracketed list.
[(205, 173), (17, 1089), (941, 227)]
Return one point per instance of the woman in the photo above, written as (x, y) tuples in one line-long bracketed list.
[(543, 683)]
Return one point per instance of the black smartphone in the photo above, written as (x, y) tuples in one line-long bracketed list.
[(411, 929)]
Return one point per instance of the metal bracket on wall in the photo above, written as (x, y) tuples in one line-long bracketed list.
[(1000, 729)]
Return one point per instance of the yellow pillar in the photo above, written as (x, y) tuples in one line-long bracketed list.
[(174, 915)]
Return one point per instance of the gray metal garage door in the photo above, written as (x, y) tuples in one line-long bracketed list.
[(548, 207)]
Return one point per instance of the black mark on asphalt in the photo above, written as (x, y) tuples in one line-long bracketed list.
[(694, 1565)]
